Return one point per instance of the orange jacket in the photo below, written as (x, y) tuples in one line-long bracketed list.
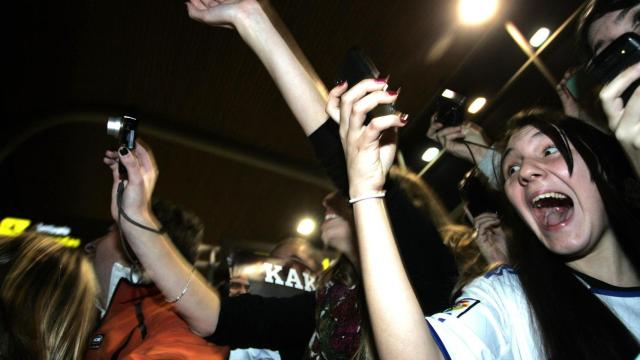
[(140, 324)]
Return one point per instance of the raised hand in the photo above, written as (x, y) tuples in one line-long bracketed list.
[(223, 13), (451, 139), (490, 238), (624, 121), (142, 173), (569, 104), (333, 104), (369, 149)]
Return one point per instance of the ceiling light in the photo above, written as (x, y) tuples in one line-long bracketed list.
[(476, 105), (539, 37), (430, 154), (306, 227), (474, 12), (448, 94)]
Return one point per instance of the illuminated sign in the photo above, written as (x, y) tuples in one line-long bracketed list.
[(13, 226), (10, 226)]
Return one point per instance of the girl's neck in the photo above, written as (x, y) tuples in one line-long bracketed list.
[(607, 262)]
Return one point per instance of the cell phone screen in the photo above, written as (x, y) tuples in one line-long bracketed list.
[(572, 86)]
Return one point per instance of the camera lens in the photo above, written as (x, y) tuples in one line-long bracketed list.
[(114, 124)]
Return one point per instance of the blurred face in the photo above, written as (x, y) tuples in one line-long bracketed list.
[(103, 252), (238, 286), (300, 252), (564, 211), (336, 229), (611, 25)]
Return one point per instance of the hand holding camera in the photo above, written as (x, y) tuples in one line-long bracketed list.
[(133, 167), (124, 128), (143, 174), (465, 141)]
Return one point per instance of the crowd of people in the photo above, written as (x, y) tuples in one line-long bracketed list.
[(554, 274)]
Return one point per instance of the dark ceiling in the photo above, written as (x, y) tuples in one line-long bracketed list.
[(227, 145)]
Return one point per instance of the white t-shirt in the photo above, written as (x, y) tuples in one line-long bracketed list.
[(254, 354), (492, 320)]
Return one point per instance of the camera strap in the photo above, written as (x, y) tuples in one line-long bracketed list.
[(122, 214)]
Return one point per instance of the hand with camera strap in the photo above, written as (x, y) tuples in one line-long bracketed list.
[(194, 299), (465, 141)]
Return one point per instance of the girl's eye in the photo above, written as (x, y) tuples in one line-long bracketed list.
[(512, 169), (550, 150)]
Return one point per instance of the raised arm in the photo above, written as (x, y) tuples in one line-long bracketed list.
[(398, 324), (261, 28), (199, 303)]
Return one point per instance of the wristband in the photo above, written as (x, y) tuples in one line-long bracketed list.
[(377, 195)]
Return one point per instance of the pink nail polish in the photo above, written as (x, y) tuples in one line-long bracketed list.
[(404, 118)]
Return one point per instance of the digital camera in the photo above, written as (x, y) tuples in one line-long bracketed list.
[(124, 128)]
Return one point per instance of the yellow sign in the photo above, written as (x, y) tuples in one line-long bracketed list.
[(13, 226), (69, 241)]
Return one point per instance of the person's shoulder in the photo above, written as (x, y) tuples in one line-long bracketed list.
[(497, 282), (501, 272)]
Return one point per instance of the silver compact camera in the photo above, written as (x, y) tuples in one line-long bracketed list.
[(124, 128)]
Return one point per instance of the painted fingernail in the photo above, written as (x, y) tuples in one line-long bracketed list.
[(124, 151), (392, 92), (404, 118), (382, 80), (341, 82)]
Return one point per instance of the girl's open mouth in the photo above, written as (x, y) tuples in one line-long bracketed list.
[(552, 210)]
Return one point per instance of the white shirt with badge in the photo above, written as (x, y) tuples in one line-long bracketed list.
[(491, 319)]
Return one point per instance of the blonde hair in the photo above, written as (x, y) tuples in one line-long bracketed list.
[(48, 295)]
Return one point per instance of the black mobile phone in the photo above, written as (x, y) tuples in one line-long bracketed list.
[(357, 67), (622, 53), (449, 108)]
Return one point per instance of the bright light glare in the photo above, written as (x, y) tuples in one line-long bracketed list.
[(477, 105), (448, 94), (539, 37), (326, 262), (306, 227), (430, 154), (474, 12)]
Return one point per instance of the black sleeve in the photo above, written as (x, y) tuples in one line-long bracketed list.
[(328, 148), (266, 323), (429, 264)]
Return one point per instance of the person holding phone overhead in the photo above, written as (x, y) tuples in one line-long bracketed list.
[(605, 27), (573, 290)]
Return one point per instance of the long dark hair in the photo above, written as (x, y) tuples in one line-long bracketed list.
[(572, 322)]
